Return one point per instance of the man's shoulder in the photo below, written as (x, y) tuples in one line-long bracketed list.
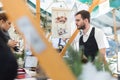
[(98, 30)]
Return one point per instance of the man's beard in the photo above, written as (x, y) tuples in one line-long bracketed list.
[(82, 27)]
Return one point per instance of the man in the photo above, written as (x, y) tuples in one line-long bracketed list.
[(92, 39), (8, 63), (4, 29)]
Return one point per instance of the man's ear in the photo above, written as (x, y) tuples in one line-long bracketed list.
[(86, 20), (1, 21)]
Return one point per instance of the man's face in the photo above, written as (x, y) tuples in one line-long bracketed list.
[(6, 25), (79, 22)]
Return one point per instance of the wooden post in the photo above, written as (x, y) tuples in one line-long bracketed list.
[(38, 10), (48, 58), (49, 35), (94, 4), (69, 42), (114, 27)]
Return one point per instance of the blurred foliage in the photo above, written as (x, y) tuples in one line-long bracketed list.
[(46, 23), (22, 55), (100, 66), (74, 61)]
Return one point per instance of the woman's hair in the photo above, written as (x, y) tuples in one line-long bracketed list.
[(3, 17)]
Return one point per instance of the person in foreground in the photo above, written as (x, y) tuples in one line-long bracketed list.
[(92, 40), (8, 63)]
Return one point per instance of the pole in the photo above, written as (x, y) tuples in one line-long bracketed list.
[(114, 27), (38, 10), (49, 59)]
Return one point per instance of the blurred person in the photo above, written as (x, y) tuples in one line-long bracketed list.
[(8, 63), (4, 29), (92, 40)]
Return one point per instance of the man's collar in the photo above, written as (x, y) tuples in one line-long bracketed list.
[(89, 30)]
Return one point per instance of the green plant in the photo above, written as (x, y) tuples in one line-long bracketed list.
[(17, 55), (74, 61)]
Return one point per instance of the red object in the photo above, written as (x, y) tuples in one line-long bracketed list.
[(21, 73)]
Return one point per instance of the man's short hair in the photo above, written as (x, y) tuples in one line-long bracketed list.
[(84, 14), (3, 17)]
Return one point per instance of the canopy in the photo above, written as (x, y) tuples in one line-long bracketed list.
[(102, 15)]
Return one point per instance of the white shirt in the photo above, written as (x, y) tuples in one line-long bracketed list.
[(99, 37), (55, 42)]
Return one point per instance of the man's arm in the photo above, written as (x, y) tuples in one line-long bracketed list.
[(102, 43), (103, 55), (11, 43)]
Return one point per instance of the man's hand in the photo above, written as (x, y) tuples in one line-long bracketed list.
[(12, 43), (103, 55)]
